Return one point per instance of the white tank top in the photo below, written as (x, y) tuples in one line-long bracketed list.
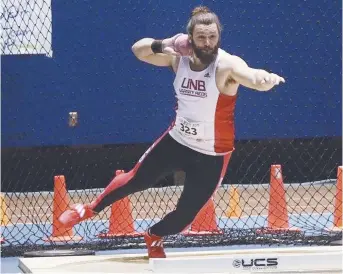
[(204, 117)]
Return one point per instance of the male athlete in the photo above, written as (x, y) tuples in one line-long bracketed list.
[(200, 140)]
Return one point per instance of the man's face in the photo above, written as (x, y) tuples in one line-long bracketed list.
[(205, 42)]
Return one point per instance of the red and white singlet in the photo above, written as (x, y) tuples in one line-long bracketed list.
[(204, 117)]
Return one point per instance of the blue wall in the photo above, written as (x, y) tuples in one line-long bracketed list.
[(122, 100)]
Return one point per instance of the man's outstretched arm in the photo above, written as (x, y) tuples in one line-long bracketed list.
[(256, 79)]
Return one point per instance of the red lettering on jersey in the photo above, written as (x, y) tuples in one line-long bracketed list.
[(198, 85), (192, 85), (201, 85), (183, 83)]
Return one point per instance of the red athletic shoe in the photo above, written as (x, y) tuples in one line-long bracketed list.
[(155, 246), (76, 214)]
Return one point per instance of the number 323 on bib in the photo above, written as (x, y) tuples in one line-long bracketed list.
[(191, 130)]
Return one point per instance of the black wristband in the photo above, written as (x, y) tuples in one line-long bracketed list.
[(156, 46)]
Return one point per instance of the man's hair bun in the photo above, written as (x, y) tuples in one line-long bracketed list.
[(200, 9)]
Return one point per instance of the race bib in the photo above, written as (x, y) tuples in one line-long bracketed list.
[(189, 129)]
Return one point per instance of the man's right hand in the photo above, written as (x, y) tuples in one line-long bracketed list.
[(168, 45)]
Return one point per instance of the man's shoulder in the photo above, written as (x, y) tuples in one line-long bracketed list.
[(227, 60)]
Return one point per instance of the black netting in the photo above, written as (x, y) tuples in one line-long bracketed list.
[(240, 214), (26, 27)]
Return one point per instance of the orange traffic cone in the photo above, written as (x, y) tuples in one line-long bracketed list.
[(3, 215), (205, 223), (60, 204), (277, 211), (338, 212), (234, 207), (121, 221)]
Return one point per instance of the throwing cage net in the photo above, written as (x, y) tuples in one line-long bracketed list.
[(277, 190)]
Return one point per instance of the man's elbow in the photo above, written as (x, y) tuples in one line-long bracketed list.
[(137, 47), (134, 49)]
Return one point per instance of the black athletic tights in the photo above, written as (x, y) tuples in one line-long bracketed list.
[(203, 174)]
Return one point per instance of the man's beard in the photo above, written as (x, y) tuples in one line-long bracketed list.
[(205, 55)]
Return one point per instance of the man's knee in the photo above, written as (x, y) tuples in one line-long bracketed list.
[(175, 221), (185, 216)]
